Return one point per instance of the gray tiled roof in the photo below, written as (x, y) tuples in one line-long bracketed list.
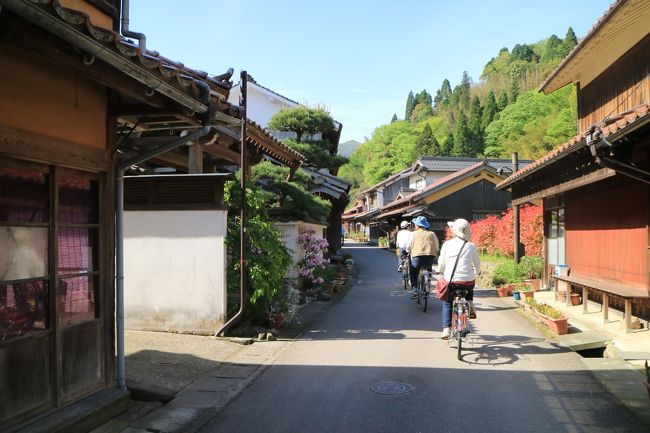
[(452, 164)]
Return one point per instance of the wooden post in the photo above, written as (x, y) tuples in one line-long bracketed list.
[(195, 158), (628, 315), (605, 307), (585, 300)]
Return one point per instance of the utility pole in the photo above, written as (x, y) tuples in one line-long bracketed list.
[(515, 167)]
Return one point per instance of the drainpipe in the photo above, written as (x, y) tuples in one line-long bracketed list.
[(142, 39), (119, 239), (243, 163)]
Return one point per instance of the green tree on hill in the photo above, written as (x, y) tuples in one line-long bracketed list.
[(489, 110), (394, 118), (410, 105), (523, 52), (443, 95), (426, 144), (474, 124), (503, 100), (448, 147), (463, 138), (570, 41), (554, 49)]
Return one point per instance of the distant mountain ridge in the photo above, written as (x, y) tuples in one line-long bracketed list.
[(346, 149)]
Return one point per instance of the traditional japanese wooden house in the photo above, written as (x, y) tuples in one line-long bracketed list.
[(77, 102), (468, 193), (596, 186)]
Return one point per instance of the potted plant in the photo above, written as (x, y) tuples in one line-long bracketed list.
[(575, 298), (511, 274), (525, 291), (550, 316), (531, 267), (349, 263)]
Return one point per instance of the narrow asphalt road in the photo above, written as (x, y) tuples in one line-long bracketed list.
[(511, 379)]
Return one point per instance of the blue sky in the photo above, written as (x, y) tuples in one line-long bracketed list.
[(357, 58)]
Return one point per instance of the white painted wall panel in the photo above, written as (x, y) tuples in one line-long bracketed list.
[(175, 265)]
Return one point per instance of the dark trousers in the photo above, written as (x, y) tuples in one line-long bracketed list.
[(418, 263)]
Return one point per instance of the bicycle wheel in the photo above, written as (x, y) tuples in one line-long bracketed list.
[(425, 296), (459, 340), (419, 288)]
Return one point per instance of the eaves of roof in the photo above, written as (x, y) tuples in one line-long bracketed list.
[(607, 127), (452, 178), (581, 50), (76, 28), (291, 101), (387, 180), (271, 146)]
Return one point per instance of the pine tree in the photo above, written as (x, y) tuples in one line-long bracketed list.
[(394, 119), (503, 100), (410, 105), (443, 95), (463, 138), (489, 110), (570, 41)]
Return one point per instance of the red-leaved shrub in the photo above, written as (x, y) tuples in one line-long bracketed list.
[(494, 235)]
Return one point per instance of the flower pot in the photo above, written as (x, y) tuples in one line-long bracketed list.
[(510, 288), (527, 295), (560, 296), (558, 326), (277, 321), (502, 292), (515, 295), (575, 299), (534, 283)]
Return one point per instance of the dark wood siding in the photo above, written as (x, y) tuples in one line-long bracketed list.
[(479, 196), (391, 191), (606, 231), (624, 85)]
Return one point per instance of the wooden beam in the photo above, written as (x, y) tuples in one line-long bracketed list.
[(221, 151), (595, 176), (34, 147), (195, 157)]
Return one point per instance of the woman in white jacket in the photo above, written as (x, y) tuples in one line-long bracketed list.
[(469, 265)]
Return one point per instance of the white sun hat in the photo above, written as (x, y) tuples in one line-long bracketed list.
[(460, 228)]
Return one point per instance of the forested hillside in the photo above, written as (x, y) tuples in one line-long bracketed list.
[(499, 114)]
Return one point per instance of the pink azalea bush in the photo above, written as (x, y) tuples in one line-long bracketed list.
[(313, 259)]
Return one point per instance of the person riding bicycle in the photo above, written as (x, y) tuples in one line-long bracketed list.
[(402, 242), (423, 249), (469, 265)]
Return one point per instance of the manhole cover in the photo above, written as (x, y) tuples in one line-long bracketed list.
[(164, 362), (391, 388)]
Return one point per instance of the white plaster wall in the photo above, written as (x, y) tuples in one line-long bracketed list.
[(290, 231), (262, 105), (175, 270)]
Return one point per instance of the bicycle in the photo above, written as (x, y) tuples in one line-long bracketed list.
[(405, 264), (424, 288), (459, 318)]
